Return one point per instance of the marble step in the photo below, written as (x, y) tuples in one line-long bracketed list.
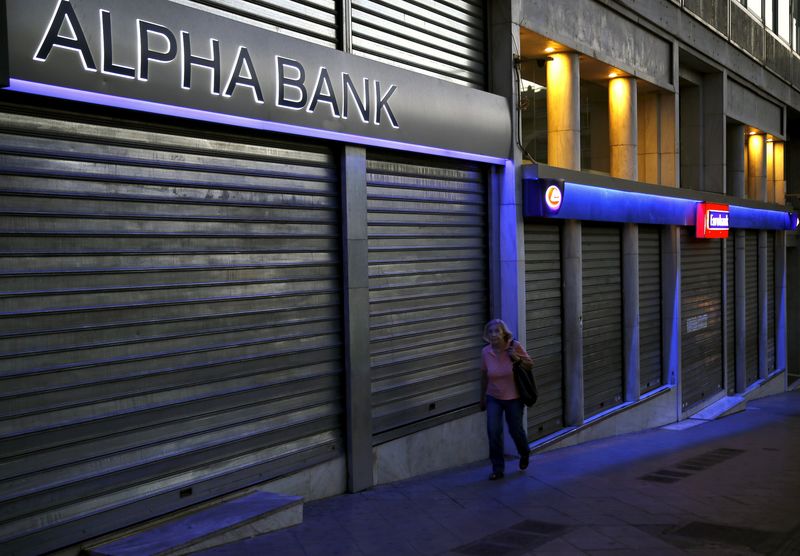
[(234, 519)]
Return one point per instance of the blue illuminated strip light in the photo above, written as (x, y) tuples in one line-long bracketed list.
[(599, 204), (760, 219), (227, 119)]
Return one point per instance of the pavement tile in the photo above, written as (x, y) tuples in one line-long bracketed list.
[(593, 490), (589, 539)]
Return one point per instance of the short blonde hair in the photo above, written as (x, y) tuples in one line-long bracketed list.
[(507, 335)]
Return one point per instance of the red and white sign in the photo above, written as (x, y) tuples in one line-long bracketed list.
[(712, 221), (552, 197)]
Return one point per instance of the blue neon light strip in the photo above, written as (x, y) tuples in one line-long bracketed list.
[(586, 202), (239, 121), (592, 203), (759, 219)]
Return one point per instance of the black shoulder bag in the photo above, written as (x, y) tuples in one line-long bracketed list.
[(526, 384)]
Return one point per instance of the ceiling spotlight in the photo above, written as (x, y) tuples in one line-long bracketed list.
[(613, 74), (549, 50)]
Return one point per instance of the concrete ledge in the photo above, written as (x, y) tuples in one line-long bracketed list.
[(721, 408), (773, 384), (239, 518), (656, 409)]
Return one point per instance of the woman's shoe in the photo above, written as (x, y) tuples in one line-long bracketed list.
[(524, 460), (495, 476)]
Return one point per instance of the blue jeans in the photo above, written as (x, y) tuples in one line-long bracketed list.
[(494, 427)]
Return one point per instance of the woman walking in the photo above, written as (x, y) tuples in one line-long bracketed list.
[(499, 394)]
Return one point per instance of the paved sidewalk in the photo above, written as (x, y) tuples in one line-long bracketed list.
[(730, 486)]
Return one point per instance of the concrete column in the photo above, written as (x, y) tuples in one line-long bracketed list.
[(770, 157), (671, 306), (358, 379), (740, 330), (630, 302), (756, 168), (735, 174), (623, 144), (763, 371), (507, 249), (713, 113), (691, 134), (780, 300), (563, 111), (509, 291), (622, 127), (571, 271), (779, 168)]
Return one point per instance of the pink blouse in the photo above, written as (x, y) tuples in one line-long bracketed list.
[(498, 368)]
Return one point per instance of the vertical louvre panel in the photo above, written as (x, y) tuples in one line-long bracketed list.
[(649, 307), (170, 319), (730, 314), (602, 318), (770, 301), (427, 287), (543, 321), (442, 38), (311, 20), (701, 306), (751, 305)]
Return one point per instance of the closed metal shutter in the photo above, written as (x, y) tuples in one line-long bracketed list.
[(730, 313), (770, 301), (428, 289), (311, 20), (543, 318), (701, 306), (649, 308), (602, 318), (442, 38), (751, 305), (170, 321)]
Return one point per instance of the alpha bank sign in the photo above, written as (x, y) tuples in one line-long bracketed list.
[(163, 57)]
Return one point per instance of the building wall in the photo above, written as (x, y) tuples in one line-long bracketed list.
[(413, 254)]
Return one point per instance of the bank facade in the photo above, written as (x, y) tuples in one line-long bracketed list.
[(254, 244)]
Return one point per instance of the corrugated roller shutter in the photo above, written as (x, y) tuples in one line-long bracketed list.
[(543, 318), (770, 301), (602, 318), (701, 306), (442, 38), (428, 289), (170, 319), (311, 20), (649, 308), (751, 305), (730, 313)]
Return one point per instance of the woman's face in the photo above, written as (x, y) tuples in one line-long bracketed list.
[(495, 335)]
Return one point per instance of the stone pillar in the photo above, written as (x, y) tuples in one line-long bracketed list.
[(756, 168), (763, 312), (630, 303), (622, 128), (572, 262), (780, 300), (779, 171), (713, 138), (671, 309), (563, 111), (623, 141), (770, 157), (735, 175), (358, 378), (740, 330)]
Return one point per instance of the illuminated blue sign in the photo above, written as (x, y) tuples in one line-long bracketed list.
[(601, 204)]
